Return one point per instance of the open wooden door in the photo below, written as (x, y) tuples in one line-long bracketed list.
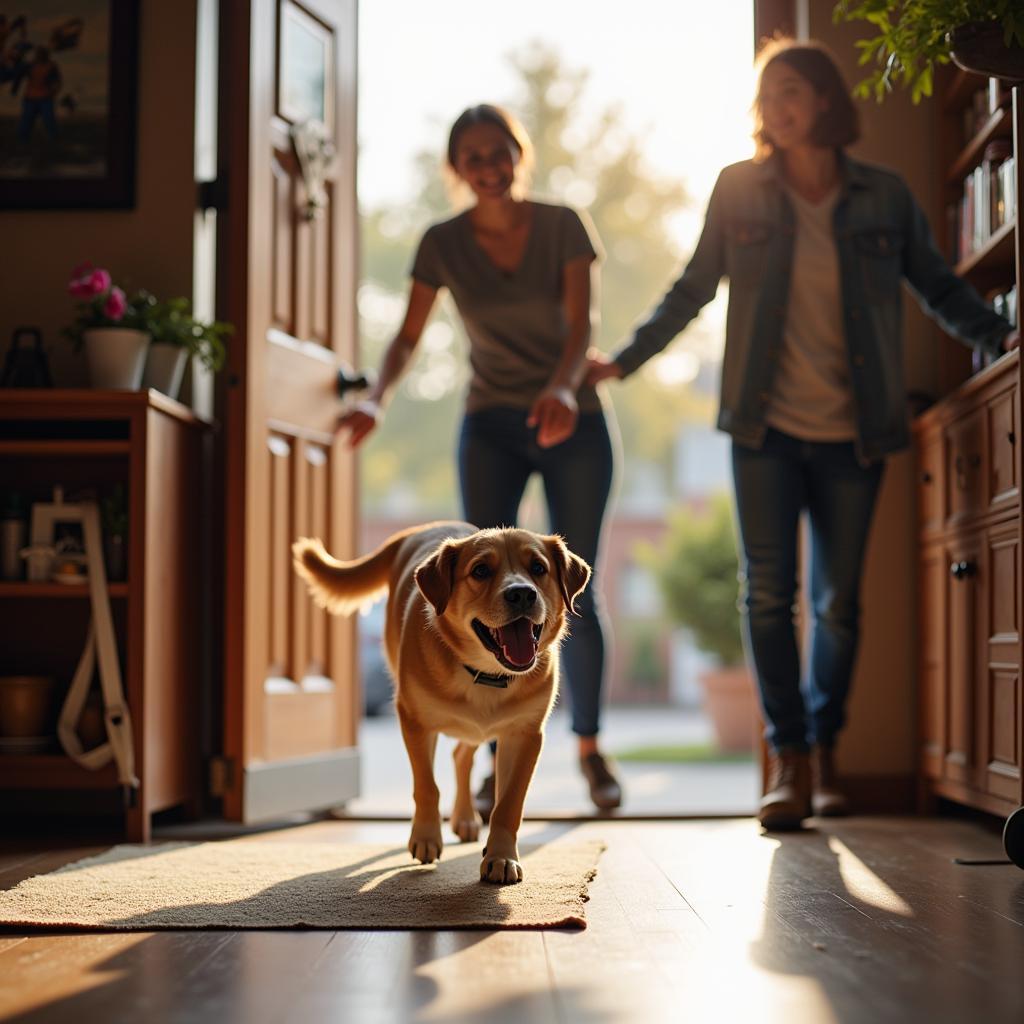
[(288, 280)]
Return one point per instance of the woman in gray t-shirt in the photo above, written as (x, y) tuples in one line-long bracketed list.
[(520, 274)]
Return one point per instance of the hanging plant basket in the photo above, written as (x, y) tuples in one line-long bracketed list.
[(980, 46)]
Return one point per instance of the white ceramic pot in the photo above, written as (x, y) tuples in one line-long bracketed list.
[(165, 366), (116, 357)]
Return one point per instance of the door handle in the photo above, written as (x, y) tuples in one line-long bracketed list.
[(348, 380)]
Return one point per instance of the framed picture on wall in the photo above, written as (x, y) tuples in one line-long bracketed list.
[(305, 67), (67, 104)]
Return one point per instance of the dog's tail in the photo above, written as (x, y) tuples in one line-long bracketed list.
[(344, 587)]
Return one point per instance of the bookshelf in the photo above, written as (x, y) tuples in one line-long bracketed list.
[(86, 440), (969, 467)]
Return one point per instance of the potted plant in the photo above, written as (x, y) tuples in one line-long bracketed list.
[(696, 570), (178, 336), (114, 517), (986, 36), (113, 328)]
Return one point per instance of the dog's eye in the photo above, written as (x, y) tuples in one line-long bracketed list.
[(480, 571), (538, 568)]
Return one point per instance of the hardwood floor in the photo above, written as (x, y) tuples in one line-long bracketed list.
[(866, 920)]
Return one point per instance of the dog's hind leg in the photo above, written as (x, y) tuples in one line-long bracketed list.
[(465, 820), (517, 759), (425, 842)]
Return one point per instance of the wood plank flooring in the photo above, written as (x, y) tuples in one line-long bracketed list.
[(866, 920)]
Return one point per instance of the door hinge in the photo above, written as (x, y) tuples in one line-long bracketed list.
[(222, 775)]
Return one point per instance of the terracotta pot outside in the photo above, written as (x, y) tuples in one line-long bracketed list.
[(731, 703), (979, 46)]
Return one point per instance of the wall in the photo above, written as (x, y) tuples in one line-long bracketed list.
[(149, 246), (881, 736)]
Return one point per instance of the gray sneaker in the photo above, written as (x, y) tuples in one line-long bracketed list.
[(484, 798)]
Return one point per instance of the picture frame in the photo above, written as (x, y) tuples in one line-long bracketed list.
[(305, 67), (68, 83)]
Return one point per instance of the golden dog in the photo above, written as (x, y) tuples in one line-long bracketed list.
[(474, 620)]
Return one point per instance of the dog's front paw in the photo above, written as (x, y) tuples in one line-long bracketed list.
[(466, 825), (425, 843), (500, 870)]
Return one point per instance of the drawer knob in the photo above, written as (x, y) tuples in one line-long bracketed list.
[(962, 570), (926, 477), (1011, 437)]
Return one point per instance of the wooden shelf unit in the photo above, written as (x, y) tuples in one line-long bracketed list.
[(969, 470), (154, 447)]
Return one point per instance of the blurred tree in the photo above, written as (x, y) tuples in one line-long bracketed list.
[(409, 462)]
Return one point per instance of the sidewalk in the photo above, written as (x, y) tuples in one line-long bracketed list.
[(557, 788)]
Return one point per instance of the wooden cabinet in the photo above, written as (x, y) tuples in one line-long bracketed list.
[(87, 442), (969, 621)]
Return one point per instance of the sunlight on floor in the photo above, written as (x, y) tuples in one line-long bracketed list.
[(863, 884)]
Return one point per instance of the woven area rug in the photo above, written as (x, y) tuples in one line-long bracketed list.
[(245, 884)]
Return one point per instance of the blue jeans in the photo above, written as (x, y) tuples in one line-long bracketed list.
[(773, 486), (32, 109), (498, 454)]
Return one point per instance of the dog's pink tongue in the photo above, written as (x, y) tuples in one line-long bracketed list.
[(517, 642)]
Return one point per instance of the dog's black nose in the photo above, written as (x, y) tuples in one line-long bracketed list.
[(521, 597)]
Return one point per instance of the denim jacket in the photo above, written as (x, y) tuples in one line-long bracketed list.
[(882, 239)]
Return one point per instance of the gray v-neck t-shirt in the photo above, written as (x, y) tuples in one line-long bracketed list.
[(515, 320)]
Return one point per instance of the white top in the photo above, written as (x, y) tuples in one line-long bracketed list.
[(811, 396)]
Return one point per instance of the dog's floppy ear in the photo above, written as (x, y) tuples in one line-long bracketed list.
[(572, 571), (436, 576)]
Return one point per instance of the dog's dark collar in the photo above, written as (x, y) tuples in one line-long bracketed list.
[(486, 679)]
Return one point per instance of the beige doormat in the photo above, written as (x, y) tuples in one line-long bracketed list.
[(246, 884)]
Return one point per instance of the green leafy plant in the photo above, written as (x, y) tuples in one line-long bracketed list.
[(696, 568), (114, 512), (912, 37), (173, 324)]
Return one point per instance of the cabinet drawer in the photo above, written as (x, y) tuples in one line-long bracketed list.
[(965, 466), (1003, 484)]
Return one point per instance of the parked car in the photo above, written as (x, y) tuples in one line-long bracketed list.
[(378, 690)]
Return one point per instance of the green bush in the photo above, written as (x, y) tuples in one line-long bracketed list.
[(696, 568)]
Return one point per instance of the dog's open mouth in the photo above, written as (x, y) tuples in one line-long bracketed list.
[(514, 644)]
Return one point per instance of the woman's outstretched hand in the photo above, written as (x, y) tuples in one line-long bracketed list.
[(360, 421), (600, 367), (554, 414)]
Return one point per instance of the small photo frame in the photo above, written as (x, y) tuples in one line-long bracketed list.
[(59, 528), (305, 67)]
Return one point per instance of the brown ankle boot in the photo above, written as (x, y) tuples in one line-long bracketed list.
[(788, 798), (826, 799)]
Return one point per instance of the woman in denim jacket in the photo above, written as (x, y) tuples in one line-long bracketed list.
[(815, 246)]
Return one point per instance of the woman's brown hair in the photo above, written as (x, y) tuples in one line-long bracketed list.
[(488, 113), (839, 125)]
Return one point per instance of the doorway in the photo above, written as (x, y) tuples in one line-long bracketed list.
[(632, 124)]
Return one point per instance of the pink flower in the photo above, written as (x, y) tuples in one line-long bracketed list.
[(78, 286), (116, 304), (99, 282), (88, 281)]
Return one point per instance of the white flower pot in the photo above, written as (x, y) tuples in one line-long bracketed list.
[(116, 357), (165, 366)]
